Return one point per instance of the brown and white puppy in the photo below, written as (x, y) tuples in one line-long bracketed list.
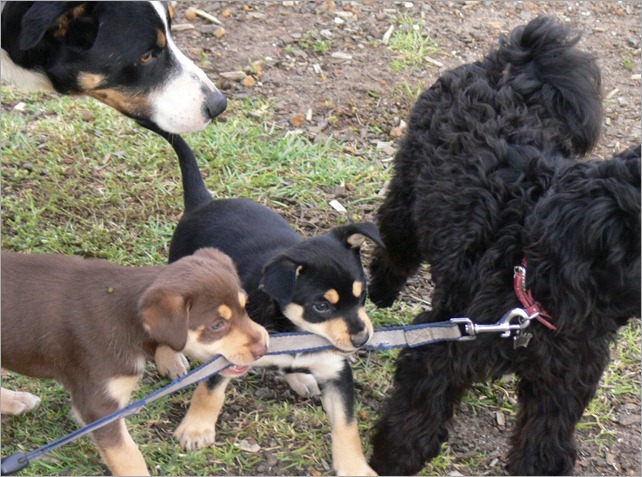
[(121, 53), (91, 324)]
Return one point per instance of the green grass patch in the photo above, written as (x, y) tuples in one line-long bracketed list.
[(410, 44)]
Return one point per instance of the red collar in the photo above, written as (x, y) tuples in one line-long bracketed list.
[(525, 297)]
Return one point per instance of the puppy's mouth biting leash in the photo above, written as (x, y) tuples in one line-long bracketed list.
[(456, 329)]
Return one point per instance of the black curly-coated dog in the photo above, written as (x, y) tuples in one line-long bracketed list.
[(486, 177)]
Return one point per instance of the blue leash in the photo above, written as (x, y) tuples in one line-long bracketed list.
[(286, 343)]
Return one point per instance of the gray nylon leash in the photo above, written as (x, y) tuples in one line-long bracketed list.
[(290, 343)]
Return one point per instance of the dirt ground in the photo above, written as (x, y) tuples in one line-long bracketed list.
[(345, 87)]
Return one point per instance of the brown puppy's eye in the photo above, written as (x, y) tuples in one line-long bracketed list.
[(218, 326), (146, 58)]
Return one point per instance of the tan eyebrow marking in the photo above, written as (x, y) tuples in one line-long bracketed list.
[(357, 289), (161, 39), (332, 296), (225, 312)]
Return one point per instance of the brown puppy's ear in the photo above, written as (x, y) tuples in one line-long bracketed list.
[(218, 256), (165, 315), (353, 235)]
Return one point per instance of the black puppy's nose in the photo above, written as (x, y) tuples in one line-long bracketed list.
[(215, 104), (359, 339)]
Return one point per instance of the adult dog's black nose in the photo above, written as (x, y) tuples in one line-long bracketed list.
[(215, 104)]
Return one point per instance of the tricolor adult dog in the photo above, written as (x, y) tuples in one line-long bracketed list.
[(121, 53)]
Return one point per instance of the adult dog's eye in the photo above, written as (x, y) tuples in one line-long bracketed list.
[(321, 307), (147, 57), (218, 326)]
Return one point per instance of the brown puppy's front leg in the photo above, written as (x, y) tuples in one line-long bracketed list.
[(119, 451), (170, 363), (116, 446), (337, 396), (197, 429)]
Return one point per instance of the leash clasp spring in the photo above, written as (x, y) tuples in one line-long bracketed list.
[(511, 324)]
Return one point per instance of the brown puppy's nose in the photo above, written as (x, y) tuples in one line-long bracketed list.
[(359, 339), (258, 350)]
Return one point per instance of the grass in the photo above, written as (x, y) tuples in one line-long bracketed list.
[(79, 179), (410, 44), (312, 42)]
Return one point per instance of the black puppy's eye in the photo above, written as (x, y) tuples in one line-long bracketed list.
[(146, 58), (321, 307)]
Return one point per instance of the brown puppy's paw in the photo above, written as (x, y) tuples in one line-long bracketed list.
[(169, 363), (17, 402)]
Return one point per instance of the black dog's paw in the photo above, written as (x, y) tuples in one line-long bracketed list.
[(384, 286), (382, 296)]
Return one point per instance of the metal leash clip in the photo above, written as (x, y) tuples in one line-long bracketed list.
[(511, 324)]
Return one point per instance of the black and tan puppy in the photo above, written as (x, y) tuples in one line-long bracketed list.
[(90, 325), (316, 285)]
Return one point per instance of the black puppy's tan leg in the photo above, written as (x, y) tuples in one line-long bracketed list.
[(17, 402), (337, 396), (116, 446), (170, 363), (197, 429)]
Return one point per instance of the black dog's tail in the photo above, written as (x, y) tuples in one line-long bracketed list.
[(539, 60), (195, 192)]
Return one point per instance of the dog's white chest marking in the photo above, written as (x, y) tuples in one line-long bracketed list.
[(26, 79), (324, 365)]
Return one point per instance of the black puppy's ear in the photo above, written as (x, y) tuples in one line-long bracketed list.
[(65, 19), (353, 235), (279, 279)]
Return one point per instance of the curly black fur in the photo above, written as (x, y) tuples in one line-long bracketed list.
[(487, 175)]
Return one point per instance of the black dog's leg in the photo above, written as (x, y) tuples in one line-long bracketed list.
[(413, 424), (337, 395), (543, 440), (197, 429), (392, 266)]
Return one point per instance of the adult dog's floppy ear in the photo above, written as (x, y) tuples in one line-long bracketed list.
[(353, 235), (64, 19), (279, 279), (165, 315)]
